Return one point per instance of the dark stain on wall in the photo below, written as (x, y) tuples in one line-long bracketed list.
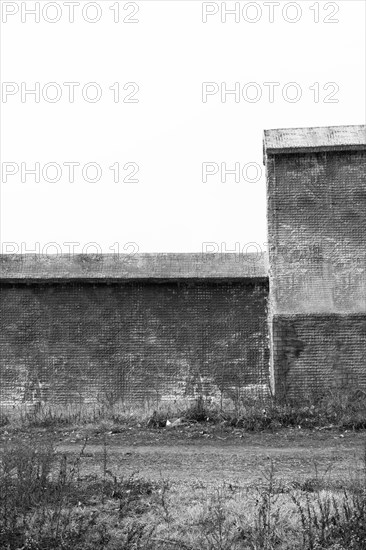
[(315, 353), (288, 353)]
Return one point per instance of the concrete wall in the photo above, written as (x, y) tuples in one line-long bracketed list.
[(316, 190), (313, 353), (135, 341), (317, 232)]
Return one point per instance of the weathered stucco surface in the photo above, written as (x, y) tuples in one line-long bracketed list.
[(314, 352), (131, 341), (316, 193), (317, 232), (117, 267)]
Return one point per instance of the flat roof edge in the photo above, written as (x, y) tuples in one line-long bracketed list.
[(316, 139), (117, 267)]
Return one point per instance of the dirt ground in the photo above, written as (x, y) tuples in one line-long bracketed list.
[(198, 473), (212, 455), (209, 454)]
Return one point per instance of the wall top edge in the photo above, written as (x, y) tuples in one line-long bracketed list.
[(143, 266), (321, 138), (326, 314)]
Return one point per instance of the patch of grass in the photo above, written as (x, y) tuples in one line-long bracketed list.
[(271, 518), (201, 410), (33, 511), (4, 420), (45, 503), (52, 501), (341, 409), (158, 419)]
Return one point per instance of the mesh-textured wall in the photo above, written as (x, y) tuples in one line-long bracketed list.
[(317, 237), (317, 232), (135, 341), (314, 353)]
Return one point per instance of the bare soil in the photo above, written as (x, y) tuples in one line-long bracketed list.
[(198, 473), (214, 454), (208, 453)]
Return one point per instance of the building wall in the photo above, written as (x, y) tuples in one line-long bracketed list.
[(134, 341), (317, 255), (317, 232), (315, 353)]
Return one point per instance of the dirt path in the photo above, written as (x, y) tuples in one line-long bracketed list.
[(239, 461)]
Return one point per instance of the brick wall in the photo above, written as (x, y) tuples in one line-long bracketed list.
[(77, 341)]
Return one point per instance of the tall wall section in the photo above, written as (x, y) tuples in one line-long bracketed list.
[(316, 192)]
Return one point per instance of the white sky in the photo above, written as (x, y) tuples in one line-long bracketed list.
[(170, 132)]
